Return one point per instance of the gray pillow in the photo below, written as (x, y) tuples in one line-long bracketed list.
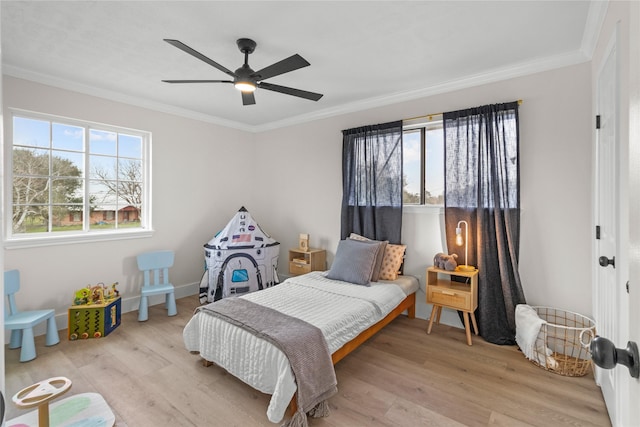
[(354, 261), (382, 245), (375, 276)]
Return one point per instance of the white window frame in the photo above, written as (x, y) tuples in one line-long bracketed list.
[(430, 121), (21, 240)]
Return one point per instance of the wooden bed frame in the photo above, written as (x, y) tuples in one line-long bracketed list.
[(409, 304)]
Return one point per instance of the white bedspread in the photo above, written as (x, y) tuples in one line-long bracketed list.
[(341, 310)]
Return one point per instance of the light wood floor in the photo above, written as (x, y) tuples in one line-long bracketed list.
[(401, 377)]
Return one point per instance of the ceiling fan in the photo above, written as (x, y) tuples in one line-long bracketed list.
[(245, 79)]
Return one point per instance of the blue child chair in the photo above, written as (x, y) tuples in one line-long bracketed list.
[(21, 323), (155, 266)]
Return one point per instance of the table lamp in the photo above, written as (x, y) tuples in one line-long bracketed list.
[(460, 241)]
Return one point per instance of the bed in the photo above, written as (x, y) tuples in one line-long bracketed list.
[(347, 314)]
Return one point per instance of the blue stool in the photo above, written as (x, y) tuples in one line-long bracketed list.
[(21, 323), (155, 266)]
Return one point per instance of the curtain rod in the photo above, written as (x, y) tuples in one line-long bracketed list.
[(430, 116)]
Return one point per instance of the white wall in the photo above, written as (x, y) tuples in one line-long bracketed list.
[(197, 187), (303, 190), (296, 187)]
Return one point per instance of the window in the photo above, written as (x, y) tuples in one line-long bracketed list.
[(74, 178), (423, 162)]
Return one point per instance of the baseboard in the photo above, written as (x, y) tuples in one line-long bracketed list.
[(132, 303), (128, 304)]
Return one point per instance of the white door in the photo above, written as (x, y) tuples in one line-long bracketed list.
[(608, 295), (634, 202)]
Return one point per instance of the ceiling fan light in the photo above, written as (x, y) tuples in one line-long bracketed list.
[(245, 86)]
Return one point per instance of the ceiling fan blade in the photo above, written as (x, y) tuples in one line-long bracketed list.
[(291, 91), (197, 81), (200, 56), (291, 63), (248, 98)]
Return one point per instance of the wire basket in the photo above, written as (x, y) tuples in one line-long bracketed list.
[(562, 345)]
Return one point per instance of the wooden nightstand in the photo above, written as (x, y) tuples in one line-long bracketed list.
[(301, 262), (443, 292)]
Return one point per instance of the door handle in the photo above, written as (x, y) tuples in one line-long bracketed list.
[(605, 354), (605, 262)]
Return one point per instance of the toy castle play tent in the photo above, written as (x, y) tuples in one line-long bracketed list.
[(241, 258)]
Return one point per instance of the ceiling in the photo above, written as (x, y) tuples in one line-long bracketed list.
[(362, 53)]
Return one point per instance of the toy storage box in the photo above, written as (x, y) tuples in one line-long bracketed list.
[(95, 320)]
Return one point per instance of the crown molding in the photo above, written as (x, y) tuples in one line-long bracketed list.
[(593, 26), (49, 80), (492, 76)]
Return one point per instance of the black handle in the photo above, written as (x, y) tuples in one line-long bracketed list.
[(604, 261), (605, 354)]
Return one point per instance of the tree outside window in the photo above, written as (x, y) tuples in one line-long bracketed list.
[(70, 176), (423, 164)]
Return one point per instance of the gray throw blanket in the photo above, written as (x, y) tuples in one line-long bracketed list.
[(302, 343)]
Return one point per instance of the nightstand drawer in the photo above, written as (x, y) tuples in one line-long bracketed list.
[(298, 268), (306, 261), (449, 298), (456, 294)]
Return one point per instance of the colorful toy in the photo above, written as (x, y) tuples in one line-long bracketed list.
[(113, 292), (95, 320), (95, 312), (85, 409), (82, 297), (97, 294)]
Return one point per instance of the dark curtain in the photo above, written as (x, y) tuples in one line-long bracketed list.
[(372, 181), (482, 187)]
